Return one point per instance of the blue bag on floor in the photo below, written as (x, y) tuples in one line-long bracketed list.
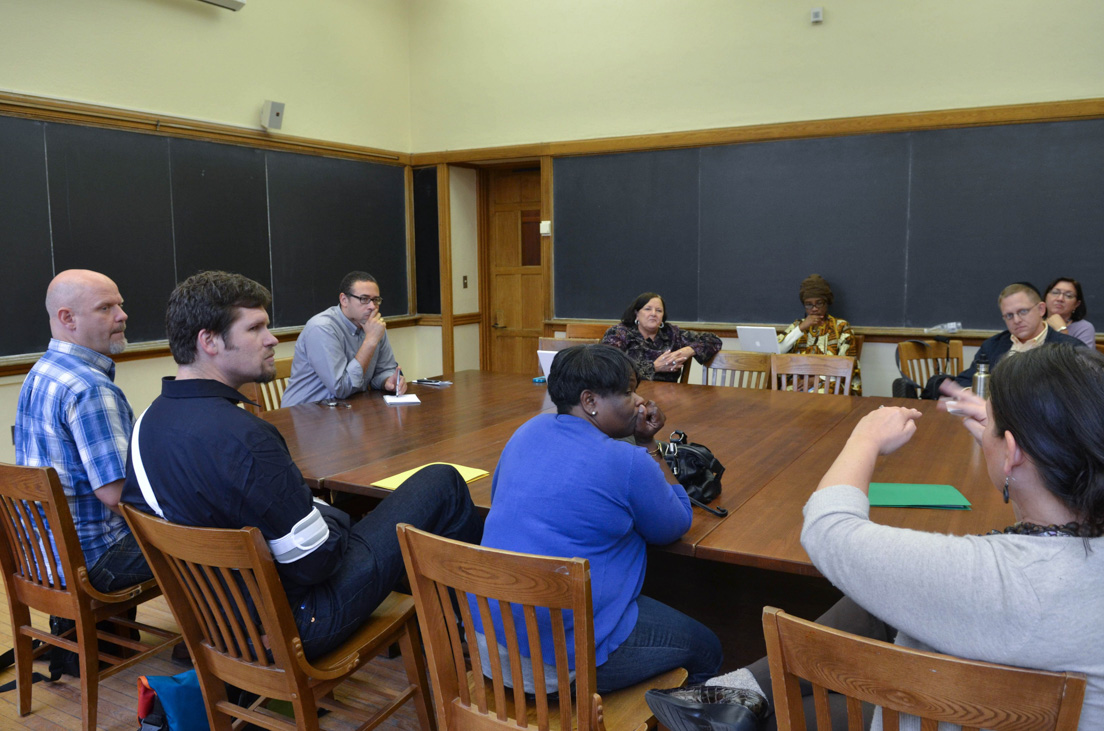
[(179, 697)]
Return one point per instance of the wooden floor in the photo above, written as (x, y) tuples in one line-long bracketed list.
[(57, 706)]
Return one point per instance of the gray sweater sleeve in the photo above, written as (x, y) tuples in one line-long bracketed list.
[(958, 594)]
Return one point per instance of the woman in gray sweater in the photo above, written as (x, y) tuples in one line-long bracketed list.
[(1030, 595)]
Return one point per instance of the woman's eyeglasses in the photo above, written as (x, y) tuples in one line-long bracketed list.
[(1063, 294)]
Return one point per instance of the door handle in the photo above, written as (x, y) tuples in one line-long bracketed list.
[(498, 327)]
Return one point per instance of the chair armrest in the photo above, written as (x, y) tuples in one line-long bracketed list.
[(116, 596), (338, 669)]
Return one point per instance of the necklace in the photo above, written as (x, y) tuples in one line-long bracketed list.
[(1075, 530)]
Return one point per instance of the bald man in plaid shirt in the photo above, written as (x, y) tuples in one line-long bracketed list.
[(72, 417)]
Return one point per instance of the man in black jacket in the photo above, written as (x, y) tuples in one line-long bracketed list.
[(1024, 314)]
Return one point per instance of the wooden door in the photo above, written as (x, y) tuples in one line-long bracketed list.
[(516, 269)]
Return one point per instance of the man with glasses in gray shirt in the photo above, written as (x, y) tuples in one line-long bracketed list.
[(344, 350)]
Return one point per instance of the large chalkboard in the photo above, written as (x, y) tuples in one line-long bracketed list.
[(149, 211), (911, 229)]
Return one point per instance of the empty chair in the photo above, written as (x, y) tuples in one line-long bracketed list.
[(739, 369), (590, 330), (812, 373), (224, 591), (32, 502), (919, 360), (901, 681), (269, 396), (563, 343), (440, 568)]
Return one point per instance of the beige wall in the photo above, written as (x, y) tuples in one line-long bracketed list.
[(465, 239), (341, 66), (499, 72), (423, 75)]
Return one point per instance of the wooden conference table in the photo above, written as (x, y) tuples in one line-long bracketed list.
[(775, 447)]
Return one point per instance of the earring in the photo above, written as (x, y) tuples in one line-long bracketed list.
[(595, 413), (1006, 480)]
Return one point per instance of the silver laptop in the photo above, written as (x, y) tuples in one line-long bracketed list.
[(545, 357), (758, 339)]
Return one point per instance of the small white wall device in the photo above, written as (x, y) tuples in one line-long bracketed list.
[(272, 115)]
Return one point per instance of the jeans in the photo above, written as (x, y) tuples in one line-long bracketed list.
[(849, 617), (120, 566), (663, 639), (435, 499)]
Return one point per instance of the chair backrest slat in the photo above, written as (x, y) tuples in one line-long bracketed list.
[(456, 645)]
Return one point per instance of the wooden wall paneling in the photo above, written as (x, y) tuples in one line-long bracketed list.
[(547, 242), (444, 224)]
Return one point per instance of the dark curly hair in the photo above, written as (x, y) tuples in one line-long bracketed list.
[(208, 301)]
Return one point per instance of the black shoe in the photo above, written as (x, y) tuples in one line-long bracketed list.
[(707, 708)]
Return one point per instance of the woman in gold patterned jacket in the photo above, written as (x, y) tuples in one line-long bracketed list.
[(819, 333)]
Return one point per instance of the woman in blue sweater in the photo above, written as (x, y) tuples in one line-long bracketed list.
[(568, 485)]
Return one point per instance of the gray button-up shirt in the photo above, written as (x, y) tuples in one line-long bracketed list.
[(325, 364)]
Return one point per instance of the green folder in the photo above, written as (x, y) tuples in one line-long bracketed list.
[(907, 495)]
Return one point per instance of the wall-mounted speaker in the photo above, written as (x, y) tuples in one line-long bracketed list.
[(272, 115)]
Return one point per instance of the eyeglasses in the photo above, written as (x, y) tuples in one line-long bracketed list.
[(1010, 316), (815, 305), (1063, 294), (365, 298)]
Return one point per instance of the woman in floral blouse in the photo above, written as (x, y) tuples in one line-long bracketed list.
[(657, 348)]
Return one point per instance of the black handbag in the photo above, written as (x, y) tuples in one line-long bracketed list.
[(696, 469)]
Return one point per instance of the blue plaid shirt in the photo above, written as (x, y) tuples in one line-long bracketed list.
[(73, 417)]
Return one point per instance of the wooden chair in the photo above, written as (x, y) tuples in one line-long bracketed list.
[(901, 680), (856, 346), (269, 395), (737, 368), (593, 330), (440, 568), (32, 503), (812, 373), (920, 360), (214, 578), (563, 343)]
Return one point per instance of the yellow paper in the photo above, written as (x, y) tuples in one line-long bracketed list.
[(470, 474)]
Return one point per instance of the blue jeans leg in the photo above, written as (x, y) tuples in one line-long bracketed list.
[(664, 638), (435, 499), (120, 566)]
